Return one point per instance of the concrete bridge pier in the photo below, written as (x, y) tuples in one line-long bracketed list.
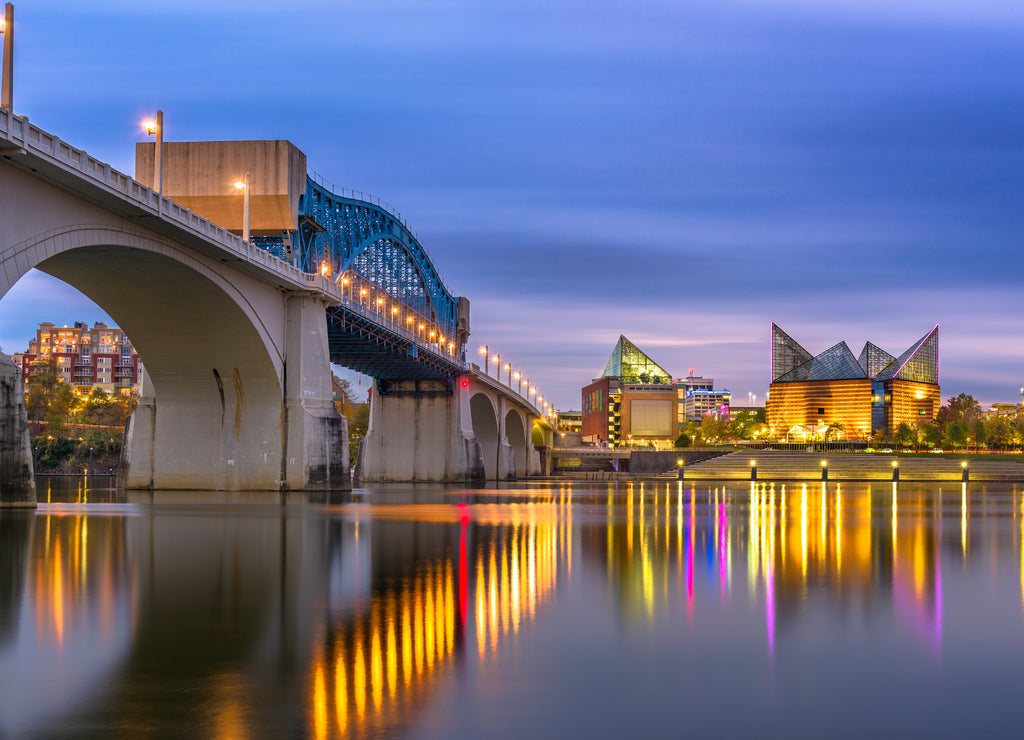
[(249, 427), (315, 455), (17, 482), (420, 430)]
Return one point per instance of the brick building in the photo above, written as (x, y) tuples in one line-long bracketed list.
[(98, 357)]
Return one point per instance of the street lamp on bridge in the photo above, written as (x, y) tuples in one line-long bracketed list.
[(486, 352), (519, 377), (156, 128), (7, 82), (243, 185)]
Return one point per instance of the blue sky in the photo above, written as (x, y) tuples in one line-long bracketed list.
[(683, 173)]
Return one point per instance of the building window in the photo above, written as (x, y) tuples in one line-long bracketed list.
[(821, 412)]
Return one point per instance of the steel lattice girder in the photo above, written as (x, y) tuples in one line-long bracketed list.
[(369, 348), (367, 239)]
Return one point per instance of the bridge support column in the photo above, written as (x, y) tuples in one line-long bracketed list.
[(315, 455), (420, 430), (17, 481), (136, 467)]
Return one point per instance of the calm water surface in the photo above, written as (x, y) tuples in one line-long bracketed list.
[(526, 611)]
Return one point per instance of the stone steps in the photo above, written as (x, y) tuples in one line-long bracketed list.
[(845, 466)]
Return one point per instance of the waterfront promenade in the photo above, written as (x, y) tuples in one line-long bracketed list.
[(772, 465), (842, 466)]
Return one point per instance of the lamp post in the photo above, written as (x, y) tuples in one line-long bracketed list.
[(519, 379), (508, 369), (486, 352), (243, 185), (156, 128), (7, 31)]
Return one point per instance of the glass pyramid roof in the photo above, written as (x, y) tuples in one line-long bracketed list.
[(920, 363), (629, 364), (874, 359), (835, 363), (787, 355)]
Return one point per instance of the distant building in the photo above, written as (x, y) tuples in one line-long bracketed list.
[(698, 398), (570, 421), (632, 402), (874, 392), (700, 403), (98, 357)]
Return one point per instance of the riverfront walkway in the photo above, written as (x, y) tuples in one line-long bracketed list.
[(806, 466)]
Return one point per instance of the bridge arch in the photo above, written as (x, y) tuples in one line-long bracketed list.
[(349, 225), (485, 426), (208, 344), (515, 433)]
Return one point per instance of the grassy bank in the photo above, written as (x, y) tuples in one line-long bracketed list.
[(96, 453)]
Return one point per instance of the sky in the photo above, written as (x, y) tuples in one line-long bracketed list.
[(680, 172)]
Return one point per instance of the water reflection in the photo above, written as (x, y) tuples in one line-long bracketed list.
[(252, 615), (445, 584)]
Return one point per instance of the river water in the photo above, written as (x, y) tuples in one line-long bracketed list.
[(533, 611)]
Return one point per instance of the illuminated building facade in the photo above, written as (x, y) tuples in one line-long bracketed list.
[(698, 398), (98, 357), (859, 396), (632, 403)]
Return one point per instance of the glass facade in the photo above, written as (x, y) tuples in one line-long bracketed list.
[(874, 360), (630, 365), (902, 389), (787, 355), (919, 364)]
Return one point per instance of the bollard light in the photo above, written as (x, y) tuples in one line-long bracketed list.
[(753, 470), (965, 472), (895, 471), (679, 464), (824, 469)]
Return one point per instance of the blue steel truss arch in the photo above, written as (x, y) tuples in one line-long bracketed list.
[(341, 234)]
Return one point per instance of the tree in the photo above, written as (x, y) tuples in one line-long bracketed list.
[(979, 433), (956, 434), (929, 434), (834, 430), (879, 438), (682, 441), (905, 435), (999, 432), (712, 427), (959, 408)]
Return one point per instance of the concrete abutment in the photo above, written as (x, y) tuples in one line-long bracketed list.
[(419, 430), (17, 482)]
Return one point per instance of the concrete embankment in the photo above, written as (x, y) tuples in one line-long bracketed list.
[(805, 466)]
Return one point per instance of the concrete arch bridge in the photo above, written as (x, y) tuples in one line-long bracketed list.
[(237, 337)]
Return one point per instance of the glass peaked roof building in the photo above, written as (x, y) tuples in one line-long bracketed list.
[(792, 363), (630, 365), (854, 396)]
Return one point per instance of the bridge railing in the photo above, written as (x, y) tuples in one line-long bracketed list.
[(362, 297), (515, 387), (19, 132), (352, 194)]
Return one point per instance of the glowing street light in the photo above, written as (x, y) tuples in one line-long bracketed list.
[(243, 186), (508, 369), (156, 128), (486, 352), (519, 377), (7, 83)]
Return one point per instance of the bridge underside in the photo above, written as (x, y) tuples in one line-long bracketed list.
[(367, 347)]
